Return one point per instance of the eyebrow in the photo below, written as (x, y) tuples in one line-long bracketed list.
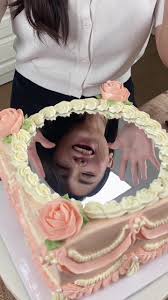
[(61, 167)]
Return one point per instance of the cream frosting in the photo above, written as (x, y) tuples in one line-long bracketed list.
[(135, 266)]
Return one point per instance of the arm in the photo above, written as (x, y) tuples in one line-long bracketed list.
[(162, 37), (3, 7)]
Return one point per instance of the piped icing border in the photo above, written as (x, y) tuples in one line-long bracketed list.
[(140, 224), (128, 264), (110, 109)]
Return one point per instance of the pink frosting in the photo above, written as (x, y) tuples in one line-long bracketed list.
[(87, 267), (11, 121), (150, 234), (114, 90), (60, 220), (72, 291)]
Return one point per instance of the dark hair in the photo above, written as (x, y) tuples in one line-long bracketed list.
[(65, 124), (45, 16)]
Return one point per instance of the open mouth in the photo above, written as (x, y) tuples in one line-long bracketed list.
[(84, 149)]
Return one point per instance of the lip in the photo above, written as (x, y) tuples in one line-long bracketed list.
[(84, 148)]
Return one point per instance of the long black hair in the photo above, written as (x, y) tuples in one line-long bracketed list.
[(45, 16)]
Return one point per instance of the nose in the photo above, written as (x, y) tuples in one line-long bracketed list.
[(82, 162)]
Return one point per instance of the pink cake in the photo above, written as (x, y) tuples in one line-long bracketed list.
[(81, 249)]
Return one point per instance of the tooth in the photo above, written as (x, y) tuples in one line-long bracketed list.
[(81, 150)]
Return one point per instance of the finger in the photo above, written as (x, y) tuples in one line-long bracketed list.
[(155, 162), (36, 162), (134, 172), (116, 145), (142, 166), (123, 168), (43, 141)]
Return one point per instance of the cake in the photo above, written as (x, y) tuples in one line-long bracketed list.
[(77, 249)]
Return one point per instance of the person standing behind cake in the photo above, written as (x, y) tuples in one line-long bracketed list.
[(66, 49)]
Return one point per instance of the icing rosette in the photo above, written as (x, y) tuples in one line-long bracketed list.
[(18, 146), (130, 113), (32, 179), (103, 105), (60, 219), (11, 121), (156, 186), (114, 90), (94, 210), (131, 204), (163, 174), (63, 107), (143, 118), (43, 191), (38, 119), (160, 137), (164, 151), (147, 196), (20, 158), (113, 208), (23, 136), (91, 104), (150, 125), (117, 107), (49, 113), (78, 104)]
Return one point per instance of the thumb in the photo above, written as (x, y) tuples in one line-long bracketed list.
[(43, 141), (114, 146), (47, 144)]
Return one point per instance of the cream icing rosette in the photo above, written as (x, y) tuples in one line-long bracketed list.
[(63, 108), (78, 105), (38, 119), (110, 108), (49, 113)]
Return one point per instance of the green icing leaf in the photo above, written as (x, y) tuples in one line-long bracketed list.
[(129, 103), (66, 197), (52, 245), (98, 97), (27, 124), (85, 217), (8, 139), (111, 102)]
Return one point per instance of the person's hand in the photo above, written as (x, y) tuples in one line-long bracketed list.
[(32, 151), (137, 148)]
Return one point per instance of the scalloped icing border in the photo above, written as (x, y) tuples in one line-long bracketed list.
[(126, 265), (157, 190)]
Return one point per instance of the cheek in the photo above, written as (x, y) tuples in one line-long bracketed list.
[(100, 166)]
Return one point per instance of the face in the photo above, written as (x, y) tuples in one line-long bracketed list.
[(81, 159)]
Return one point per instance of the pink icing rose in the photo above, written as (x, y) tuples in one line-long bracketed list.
[(60, 220), (11, 121), (114, 90)]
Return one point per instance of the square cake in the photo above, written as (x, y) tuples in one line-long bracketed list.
[(80, 249)]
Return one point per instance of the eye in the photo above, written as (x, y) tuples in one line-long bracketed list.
[(61, 167)]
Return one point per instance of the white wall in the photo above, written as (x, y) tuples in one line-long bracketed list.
[(7, 54)]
